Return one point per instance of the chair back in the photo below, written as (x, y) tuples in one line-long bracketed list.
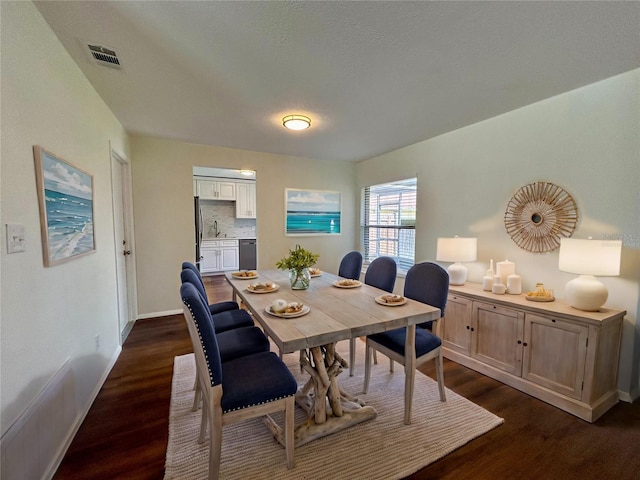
[(428, 283), (206, 345), (351, 265), (381, 273), (190, 266), (188, 275)]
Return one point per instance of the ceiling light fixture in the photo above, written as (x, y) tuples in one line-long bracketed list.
[(246, 173), (296, 122)]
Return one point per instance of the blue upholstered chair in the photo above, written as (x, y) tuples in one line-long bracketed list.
[(225, 315), (350, 265), (381, 273), (427, 283), (247, 387), (216, 307)]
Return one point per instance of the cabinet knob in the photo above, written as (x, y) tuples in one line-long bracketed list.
[(468, 327), (519, 342), (524, 344)]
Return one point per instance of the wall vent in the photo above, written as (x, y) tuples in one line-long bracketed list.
[(104, 55)]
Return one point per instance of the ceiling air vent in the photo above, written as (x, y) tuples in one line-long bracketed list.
[(104, 55)]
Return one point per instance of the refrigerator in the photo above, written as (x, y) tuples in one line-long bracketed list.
[(198, 229)]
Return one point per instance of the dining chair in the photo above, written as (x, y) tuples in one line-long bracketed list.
[(351, 265), (216, 307), (381, 273), (247, 387), (428, 283), (223, 319)]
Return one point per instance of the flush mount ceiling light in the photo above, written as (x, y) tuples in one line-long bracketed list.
[(296, 122), (246, 173)]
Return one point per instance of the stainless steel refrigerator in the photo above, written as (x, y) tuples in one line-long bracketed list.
[(198, 229)]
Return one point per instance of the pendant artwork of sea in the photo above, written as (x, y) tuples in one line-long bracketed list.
[(69, 225), (313, 222)]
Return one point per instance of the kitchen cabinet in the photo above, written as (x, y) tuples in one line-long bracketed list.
[(245, 200), (563, 356), (219, 255), (216, 190)]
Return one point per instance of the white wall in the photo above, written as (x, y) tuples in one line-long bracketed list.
[(163, 208), (586, 141), (51, 314)]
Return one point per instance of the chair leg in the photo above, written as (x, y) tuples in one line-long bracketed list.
[(367, 367), (215, 440), (204, 422), (375, 357), (440, 376), (197, 396), (391, 365), (409, 371), (289, 441), (352, 355)]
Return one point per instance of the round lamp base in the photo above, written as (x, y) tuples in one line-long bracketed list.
[(586, 293), (457, 274)]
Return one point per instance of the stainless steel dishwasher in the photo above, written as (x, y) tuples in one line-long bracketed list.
[(247, 254)]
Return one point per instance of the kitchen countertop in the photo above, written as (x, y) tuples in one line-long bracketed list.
[(204, 239)]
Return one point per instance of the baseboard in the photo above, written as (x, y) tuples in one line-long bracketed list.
[(159, 314), (628, 397)]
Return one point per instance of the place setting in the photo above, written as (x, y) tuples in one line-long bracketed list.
[(347, 283), (283, 309), (267, 287), (391, 300), (245, 275)]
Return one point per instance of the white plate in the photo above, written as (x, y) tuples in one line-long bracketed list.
[(355, 285), (275, 287), (316, 275), (304, 311), (396, 304), (241, 277)]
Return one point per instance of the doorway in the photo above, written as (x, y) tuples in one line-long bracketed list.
[(124, 245)]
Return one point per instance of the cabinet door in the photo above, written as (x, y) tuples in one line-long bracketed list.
[(555, 354), (229, 258), (208, 259), (207, 190), (497, 337), (245, 200), (456, 325), (226, 190)]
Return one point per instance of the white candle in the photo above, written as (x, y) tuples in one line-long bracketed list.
[(504, 269), (487, 283), (514, 284)]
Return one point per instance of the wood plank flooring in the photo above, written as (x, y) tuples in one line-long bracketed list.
[(124, 436)]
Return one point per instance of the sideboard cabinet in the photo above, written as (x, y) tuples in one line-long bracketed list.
[(563, 356)]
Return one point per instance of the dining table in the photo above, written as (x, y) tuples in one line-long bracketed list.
[(332, 312)]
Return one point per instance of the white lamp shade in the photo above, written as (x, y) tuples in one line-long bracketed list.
[(457, 249), (590, 257)]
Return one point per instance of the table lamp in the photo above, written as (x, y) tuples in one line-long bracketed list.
[(588, 258), (457, 250)]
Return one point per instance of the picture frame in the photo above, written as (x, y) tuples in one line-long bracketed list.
[(66, 199), (312, 212)]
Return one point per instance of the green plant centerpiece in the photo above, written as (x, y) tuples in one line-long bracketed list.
[(298, 263)]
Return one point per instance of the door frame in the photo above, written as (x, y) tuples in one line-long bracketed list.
[(125, 325)]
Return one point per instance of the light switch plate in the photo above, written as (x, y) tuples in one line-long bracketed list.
[(15, 238)]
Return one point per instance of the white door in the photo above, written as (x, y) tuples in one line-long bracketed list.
[(120, 185)]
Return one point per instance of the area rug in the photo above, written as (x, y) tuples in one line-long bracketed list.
[(382, 448)]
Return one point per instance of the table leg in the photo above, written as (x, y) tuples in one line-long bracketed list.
[(330, 409)]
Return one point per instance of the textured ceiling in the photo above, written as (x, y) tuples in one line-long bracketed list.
[(373, 76)]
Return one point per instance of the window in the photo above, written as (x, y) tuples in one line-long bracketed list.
[(389, 222)]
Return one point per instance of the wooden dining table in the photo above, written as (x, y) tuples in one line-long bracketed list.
[(334, 314)]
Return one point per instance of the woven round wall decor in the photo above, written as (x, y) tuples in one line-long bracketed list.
[(539, 215)]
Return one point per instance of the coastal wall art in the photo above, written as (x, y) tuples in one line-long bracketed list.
[(312, 212), (65, 196)]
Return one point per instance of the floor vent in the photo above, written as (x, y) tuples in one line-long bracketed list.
[(104, 55)]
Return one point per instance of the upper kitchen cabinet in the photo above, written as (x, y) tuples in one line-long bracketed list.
[(216, 190), (245, 200)]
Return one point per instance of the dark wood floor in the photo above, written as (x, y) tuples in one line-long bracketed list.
[(124, 436)]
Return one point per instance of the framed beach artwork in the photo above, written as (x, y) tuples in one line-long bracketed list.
[(312, 212), (65, 195)]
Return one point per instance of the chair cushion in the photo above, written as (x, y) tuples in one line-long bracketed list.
[(223, 307), (394, 340), (240, 342), (255, 379), (224, 321)]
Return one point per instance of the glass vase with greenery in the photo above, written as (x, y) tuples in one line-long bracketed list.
[(298, 263)]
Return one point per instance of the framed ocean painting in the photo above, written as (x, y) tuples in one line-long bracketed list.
[(312, 212), (65, 195)]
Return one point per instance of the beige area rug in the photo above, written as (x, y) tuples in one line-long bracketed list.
[(382, 448)]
